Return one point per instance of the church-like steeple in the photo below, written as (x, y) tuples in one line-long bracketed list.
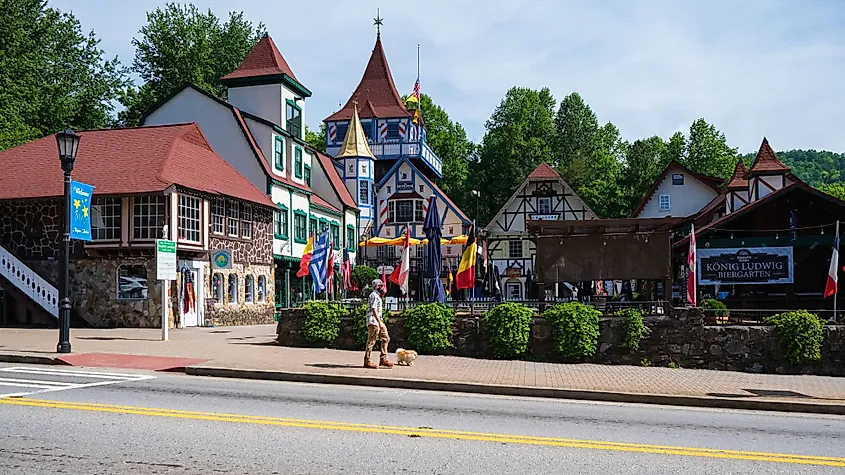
[(355, 142), (265, 65)]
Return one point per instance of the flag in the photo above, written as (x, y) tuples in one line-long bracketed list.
[(383, 278), (416, 116), (449, 280), (330, 279), (306, 258), (319, 263), (466, 268), (692, 293), (399, 276), (346, 271), (830, 288), (416, 93)]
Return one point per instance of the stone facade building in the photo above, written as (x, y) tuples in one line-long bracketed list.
[(149, 183)]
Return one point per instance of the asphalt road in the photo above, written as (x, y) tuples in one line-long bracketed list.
[(97, 423)]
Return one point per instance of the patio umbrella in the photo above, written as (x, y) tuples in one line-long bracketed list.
[(433, 258)]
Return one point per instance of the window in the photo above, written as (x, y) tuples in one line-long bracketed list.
[(678, 179), (246, 221), (342, 127), (147, 217), (299, 235), (279, 153), (393, 130), (280, 223), (334, 229), (324, 223), (217, 287), (294, 119), (364, 192), (189, 218), (367, 125), (515, 249), (404, 211), (514, 291), (105, 219), (131, 282), (249, 289), (262, 289), (419, 212), (233, 288), (664, 202), (544, 205), (218, 216), (233, 219), (297, 162), (350, 237), (307, 175), (312, 225), (391, 211)]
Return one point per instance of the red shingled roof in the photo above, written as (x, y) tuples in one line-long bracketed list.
[(317, 201), (711, 181), (738, 180), (766, 160), (335, 179), (123, 162), (542, 172), (376, 94), (264, 59)]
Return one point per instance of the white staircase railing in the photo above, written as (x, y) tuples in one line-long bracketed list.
[(28, 282)]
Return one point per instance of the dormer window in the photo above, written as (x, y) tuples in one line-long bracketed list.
[(293, 113), (678, 179)]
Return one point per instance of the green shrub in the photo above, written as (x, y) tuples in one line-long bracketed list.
[(800, 333), (364, 275), (575, 328), (509, 326), (429, 327), (322, 321), (716, 308), (634, 328), (645, 363), (359, 320)]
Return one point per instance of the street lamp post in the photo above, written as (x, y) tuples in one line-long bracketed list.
[(68, 142)]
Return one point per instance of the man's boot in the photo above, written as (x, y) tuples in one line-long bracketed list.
[(369, 364), (384, 362)]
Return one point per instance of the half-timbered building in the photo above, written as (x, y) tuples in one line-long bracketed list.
[(544, 195)]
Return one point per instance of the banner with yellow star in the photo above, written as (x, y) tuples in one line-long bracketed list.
[(80, 210)]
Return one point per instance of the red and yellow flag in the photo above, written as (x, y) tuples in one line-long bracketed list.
[(449, 280), (306, 258), (466, 269)]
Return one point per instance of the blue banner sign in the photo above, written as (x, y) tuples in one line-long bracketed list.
[(80, 210)]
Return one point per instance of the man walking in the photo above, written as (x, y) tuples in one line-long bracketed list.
[(376, 329)]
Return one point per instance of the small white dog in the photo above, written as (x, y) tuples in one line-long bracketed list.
[(405, 357)]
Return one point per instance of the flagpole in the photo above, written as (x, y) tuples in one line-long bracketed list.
[(836, 291)]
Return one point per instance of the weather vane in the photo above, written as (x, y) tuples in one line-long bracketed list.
[(378, 21)]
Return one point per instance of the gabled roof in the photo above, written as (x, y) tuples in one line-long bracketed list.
[(738, 180), (334, 177), (263, 64), (711, 181), (766, 161), (543, 172), (321, 203), (428, 182), (126, 162), (376, 94), (355, 142)]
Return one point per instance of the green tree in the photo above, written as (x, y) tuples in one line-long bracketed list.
[(837, 190), (317, 140), (520, 134), (676, 149), (643, 164), (708, 151), (51, 74), (180, 44)]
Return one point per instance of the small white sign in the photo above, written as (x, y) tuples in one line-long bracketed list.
[(166, 260)]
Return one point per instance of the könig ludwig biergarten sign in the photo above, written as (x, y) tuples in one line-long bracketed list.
[(756, 265)]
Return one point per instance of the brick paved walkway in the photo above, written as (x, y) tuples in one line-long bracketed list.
[(254, 348)]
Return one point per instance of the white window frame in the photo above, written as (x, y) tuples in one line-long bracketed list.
[(233, 218), (149, 216), (107, 211), (218, 216), (660, 199), (246, 221), (232, 282), (548, 203), (190, 218), (249, 289)]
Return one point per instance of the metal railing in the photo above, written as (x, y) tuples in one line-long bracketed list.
[(29, 282)]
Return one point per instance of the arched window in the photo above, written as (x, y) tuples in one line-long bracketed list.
[(262, 289), (249, 289), (217, 287), (233, 288)]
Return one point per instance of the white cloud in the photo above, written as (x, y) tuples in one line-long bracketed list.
[(753, 68)]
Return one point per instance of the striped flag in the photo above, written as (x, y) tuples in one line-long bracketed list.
[(466, 269), (416, 93), (692, 288), (319, 264), (400, 274), (831, 286), (449, 280), (306, 258)]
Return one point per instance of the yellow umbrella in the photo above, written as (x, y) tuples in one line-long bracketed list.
[(376, 241), (462, 239), (442, 241), (400, 241)]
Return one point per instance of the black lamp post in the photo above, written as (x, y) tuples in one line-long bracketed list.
[(68, 142)]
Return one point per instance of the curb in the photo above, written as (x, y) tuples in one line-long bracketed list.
[(524, 391), (31, 359)]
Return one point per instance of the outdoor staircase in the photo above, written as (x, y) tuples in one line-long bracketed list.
[(28, 298)]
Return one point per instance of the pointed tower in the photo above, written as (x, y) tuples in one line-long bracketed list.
[(388, 125), (358, 164), (767, 174), (264, 85), (736, 191)]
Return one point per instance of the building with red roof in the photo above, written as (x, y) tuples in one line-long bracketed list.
[(149, 183), (678, 192)]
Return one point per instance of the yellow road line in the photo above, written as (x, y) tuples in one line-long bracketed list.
[(437, 433)]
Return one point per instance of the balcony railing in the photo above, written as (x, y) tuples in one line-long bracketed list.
[(397, 150)]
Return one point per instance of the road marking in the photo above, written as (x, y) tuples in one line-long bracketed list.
[(48, 385), (438, 433)]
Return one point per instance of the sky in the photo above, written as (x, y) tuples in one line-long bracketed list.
[(753, 68)]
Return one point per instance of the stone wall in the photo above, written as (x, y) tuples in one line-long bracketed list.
[(32, 229), (220, 308), (682, 339), (259, 249)]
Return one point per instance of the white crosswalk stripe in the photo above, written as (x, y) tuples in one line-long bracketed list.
[(58, 379)]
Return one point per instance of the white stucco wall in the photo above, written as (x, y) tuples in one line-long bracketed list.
[(265, 101), (281, 195), (684, 200)]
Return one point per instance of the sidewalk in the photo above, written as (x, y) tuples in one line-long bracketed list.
[(250, 352)]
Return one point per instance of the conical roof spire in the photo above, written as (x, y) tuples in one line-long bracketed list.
[(767, 161), (355, 142), (738, 180), (264, 59)]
